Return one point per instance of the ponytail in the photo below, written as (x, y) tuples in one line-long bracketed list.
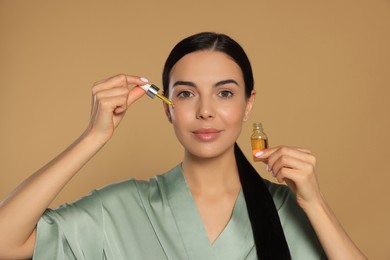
[(266, 227)]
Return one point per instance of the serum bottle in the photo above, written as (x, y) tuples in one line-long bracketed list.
[(259, 139)]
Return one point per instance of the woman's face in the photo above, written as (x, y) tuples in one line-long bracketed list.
[(208, 90)]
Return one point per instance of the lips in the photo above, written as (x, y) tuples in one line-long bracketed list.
[(206, 134)]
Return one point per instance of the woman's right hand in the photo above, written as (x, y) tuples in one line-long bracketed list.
[(110, 100)]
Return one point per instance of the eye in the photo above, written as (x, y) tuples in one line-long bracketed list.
[(185, 94), (225, 94)]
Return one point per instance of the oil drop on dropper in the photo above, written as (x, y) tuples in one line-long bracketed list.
[(152, 91)]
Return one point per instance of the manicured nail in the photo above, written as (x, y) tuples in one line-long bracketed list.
[(144, 79), (258, 154)]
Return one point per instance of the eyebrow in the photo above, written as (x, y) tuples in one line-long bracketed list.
[(192, 84), (224, 82), (184, 83)]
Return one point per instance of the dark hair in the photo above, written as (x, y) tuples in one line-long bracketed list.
[(213, 42), (267, 230)]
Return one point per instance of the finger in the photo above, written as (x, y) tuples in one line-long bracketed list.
[(106, 93), (112, 104), (105, 108), (304, 150), (287, 175), (131, 96), (265, 153), (135, 80), (296, 179), (292, 152), (116, 81), (135, 94), (271, 150), (287, 161), (261, 155), (120, 80)]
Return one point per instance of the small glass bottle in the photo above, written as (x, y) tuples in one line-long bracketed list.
[(259, 139)]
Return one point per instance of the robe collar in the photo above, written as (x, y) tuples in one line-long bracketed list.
[(235, 240)]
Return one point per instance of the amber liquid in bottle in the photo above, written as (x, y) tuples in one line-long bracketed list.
[(259, 139)]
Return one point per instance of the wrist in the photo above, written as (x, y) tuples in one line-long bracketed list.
[(95, 138), (333, 238), (315, 205)]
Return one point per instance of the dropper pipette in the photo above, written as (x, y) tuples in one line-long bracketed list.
[(152, 91)]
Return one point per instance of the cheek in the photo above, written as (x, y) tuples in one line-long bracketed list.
[(232, 114), (180, 115)]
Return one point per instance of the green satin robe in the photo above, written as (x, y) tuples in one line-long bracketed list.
[(158, 219)]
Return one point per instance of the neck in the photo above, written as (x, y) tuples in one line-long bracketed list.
[(211, 175)]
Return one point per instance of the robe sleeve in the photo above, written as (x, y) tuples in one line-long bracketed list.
[(72, 231)]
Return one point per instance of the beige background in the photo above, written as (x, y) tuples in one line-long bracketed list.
[(321, 70)]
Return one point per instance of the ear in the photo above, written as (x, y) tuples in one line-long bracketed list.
[(249, 105), (167, 112)]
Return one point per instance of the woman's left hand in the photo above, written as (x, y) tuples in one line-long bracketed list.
[(296, 167)]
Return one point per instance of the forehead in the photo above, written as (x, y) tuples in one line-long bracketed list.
[(206, 64)]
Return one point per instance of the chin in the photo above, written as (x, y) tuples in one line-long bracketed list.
[(208, 152)]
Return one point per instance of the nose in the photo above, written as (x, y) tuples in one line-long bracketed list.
[(205, 109)]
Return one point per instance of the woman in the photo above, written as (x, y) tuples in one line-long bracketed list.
[(213, 205)]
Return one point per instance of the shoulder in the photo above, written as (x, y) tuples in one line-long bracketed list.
[(122, 188), (133, 189), (128, 190)]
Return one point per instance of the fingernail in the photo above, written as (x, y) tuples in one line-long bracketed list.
[(144, 79), (258, 154), (266, 167)]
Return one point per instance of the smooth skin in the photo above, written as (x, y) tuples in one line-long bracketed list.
[(208, 91), (210, 107)]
